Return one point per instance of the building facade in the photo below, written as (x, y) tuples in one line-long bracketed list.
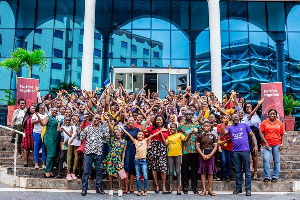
[(258, 42)]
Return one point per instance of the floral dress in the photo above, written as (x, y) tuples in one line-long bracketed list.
[(112, 162)]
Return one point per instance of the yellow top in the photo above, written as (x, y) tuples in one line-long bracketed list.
[(175, 144)]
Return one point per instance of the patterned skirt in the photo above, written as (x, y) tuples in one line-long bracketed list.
[(157, 157)]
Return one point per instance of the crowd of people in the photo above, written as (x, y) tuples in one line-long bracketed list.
[(125, 135)]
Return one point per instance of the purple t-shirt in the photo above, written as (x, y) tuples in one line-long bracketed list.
[(239, 136)]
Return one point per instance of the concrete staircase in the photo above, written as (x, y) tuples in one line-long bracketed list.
[(29, 177)]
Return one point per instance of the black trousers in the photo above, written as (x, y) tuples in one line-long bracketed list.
[(190, 160)]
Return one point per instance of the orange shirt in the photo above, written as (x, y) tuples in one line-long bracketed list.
[(272, 132)]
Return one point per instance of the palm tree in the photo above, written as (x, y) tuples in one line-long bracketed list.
[(13, 63), (36, 57)]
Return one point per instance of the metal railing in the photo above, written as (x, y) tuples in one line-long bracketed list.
[(16, 145)]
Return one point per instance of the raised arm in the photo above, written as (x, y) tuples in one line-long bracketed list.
[(223, 130), (256, 108), (43, 122), (130, 136)]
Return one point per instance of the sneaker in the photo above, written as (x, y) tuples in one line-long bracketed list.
[(274, 180), (74, 177), (111, 193), (266, 180), (227, 179), (64, 165), (36, 166), (43, 166), (69, 177), (120, 193)]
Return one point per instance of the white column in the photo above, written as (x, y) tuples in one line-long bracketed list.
[(215, 47), (88, 45)]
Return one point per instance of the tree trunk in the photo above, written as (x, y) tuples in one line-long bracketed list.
[(30, 71)]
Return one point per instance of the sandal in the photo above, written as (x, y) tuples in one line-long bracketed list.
[(58, 176), (203, 193), (212, 193), (145, 193), (139, 193)]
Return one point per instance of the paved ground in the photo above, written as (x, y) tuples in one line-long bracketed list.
[(11, 193)]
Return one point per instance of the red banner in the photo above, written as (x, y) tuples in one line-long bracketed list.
[(273, 95), (26, 90)]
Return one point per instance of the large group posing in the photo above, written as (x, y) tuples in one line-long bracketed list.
[(125, 134)]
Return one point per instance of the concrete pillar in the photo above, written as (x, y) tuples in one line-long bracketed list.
[(215, 47), (105, 59), (88, 45), (280, 58), (193, 65)]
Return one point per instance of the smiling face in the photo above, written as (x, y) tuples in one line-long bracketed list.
[(31, 109), (22, 105), (241, 114), (67, 121), (248, 108), (235, 119), (118, 134), (130, 122), (173, 128), (54, 112), (188, 115), (159, 121), (42, 109), (140, 136), (139, 119)]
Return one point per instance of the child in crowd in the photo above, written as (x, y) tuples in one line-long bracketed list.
[(140, 158), (174, 141), (114, 161), (206, 146)]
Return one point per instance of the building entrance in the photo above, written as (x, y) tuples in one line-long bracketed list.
[(156, 79)]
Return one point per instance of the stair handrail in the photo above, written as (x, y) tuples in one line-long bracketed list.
[(16, 145)]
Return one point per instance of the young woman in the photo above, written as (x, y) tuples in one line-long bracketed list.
[(271, 132), (174, 141), (206, 146), (140, 158), (27, 141), (51, 139), (157, 154), (37, 130)]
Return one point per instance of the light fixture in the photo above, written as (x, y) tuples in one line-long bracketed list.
[(133, 66), (169, 66)]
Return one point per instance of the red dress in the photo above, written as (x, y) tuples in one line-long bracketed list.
[(27, 141)]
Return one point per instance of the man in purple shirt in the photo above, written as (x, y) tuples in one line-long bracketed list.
[(241, 152)]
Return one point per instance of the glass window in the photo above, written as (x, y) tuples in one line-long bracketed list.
[(64, 14), (199, 15), (134, 48), (238, 10), (123, 44), (145, 64), (58, 53), (97, 52), (80, 48), (45, 14), (293, 22), (123, 60), (56, 66), (134, 62), (257, 16), (178, 80), (162, 82), (96, 67), (146, 51), (155, 54)]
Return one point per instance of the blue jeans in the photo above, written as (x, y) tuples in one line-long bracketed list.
[(242, 159), (276, 158), (38, 144), (141, 165), (89, 159), (226, 163)]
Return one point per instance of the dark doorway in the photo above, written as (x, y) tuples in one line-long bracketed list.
[(151, 81)]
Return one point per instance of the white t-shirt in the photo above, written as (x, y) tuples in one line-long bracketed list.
[(75, 142), (38, 128), (65, 136), (19, 118)]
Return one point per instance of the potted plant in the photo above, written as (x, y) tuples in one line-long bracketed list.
[(10, 98), (289, 104)]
